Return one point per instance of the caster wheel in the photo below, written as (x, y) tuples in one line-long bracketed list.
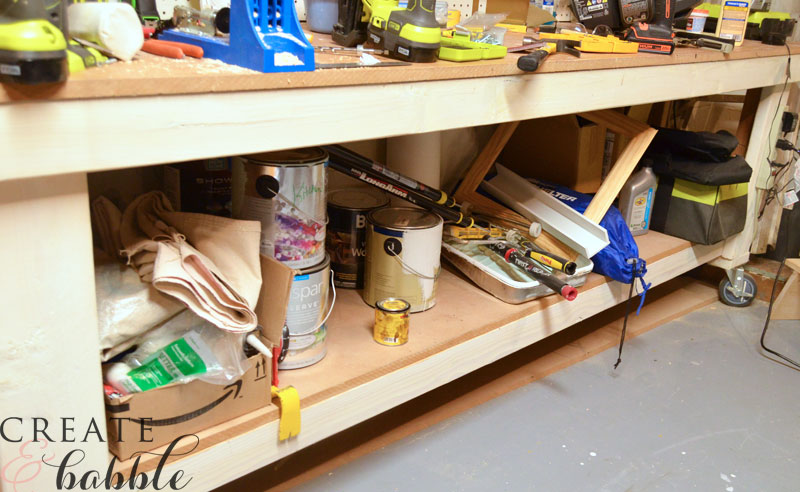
[(727, 295)]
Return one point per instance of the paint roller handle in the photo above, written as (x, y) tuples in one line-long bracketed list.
[(344, 165), (438, 197)]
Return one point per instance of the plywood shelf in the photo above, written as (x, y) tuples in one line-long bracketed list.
[(467, 329)]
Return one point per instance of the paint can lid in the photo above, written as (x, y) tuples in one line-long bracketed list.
[(297, 157), (393, 305), (404, 218), (357, 199)]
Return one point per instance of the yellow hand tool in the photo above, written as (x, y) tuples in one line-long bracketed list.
[(591, 43), (531, 61)]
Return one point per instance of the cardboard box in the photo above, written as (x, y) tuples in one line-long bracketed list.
[(517, 10), (567, 150), (145, 421)]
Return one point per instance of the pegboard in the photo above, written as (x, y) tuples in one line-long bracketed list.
[(465, 7), (564, 11)]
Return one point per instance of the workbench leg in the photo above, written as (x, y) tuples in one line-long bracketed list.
[(49, 349), (417, 156), (737, 248)]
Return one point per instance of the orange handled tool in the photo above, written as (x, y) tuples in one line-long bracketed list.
[(171, 49), (188, 49)]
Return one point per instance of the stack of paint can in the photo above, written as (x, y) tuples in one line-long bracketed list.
[(285, 191)]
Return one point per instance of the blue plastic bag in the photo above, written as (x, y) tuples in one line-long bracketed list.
[(620, 259)]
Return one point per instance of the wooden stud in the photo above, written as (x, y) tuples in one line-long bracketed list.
[(467, 190), (486, 159), (616, 122), (751, 100), (640, 135)]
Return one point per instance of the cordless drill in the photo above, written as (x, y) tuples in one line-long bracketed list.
[(32, 49), (410, 34), (655, 36)]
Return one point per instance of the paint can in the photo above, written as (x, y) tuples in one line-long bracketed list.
[(285, 191), (305, 350), (346, 237), (308, 299), (403, 250), (202, 187), (391, 321)]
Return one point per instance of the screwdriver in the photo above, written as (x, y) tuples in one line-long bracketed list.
[(511, 255)]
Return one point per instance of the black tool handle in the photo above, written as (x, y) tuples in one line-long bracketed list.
[(529, 249), (531, 62), (353, 158), (376, 179), (511, 255)]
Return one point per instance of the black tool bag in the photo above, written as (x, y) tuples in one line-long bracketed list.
[(702, 189)]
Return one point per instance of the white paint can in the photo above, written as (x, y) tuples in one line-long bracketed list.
[(305, 350), (285, 191), (308, 299), (403, 252)]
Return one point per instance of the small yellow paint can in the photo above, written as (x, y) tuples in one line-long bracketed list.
[(391, 321)]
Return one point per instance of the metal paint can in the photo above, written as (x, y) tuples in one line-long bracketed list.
[(346, 237), (391, 321), (308, 299), (305, 350), (403, 250), (285, 191)]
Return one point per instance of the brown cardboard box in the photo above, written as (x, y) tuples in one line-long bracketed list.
[(517, 10), (567, 150), (148, 420), (145, 421)]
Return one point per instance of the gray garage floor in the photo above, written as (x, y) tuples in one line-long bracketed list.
[(694, 406)]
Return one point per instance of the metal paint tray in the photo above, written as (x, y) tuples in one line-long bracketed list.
[(490, 277)]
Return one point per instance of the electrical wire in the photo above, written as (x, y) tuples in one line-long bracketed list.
[(769, 316), (772, 191), (772, 302)]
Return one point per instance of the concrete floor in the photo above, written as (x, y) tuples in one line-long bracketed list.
[(693, 406)]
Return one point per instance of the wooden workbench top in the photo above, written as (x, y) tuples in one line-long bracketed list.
[(150, 75)]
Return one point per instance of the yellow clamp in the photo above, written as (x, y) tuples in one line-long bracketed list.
[(289, 404)]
